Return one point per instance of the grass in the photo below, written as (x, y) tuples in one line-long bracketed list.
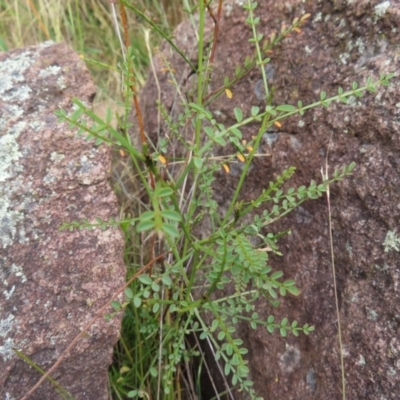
[(24, 23)]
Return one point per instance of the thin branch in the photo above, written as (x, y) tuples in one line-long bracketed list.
[(325, 176), (216, 28)]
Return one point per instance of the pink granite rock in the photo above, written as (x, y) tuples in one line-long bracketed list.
[(344, 41), (53, 282)]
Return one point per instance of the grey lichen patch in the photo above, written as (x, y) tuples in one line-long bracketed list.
[(61, 82), (303, 216), (49, 71), (6, 350), (344, 57), (21, 93), (270, 137), (392, 242), (318, 17), (381, 8), (8, 293), (290, 359), (17, 271), (311, 379), (372, 314), (9, 153), (12, 90), (53, 70), (87, 174), (18, 65), (6, 326), (45, 44), (9, 168), (10, 111), (54, 156), (361, 360), (295, 143), (360, 45)]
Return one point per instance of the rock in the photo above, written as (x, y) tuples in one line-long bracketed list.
[(53, 282), (342, 42)]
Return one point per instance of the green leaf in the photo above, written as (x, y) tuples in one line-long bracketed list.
[(214, 325), (147, 216), (243, 370), (145, 279), (108, 115), (227, 369), (170, 230), (209, 131), (197, 107), (156, 307), (286, 108), (235, 379), (128, 293), (352, 166), (323, 95), (145, 226), (116, 305), (198, 162), (221, 335), (155, 287), (254, 111), (76, 114), (166, 279), (293, 290), (270, 110), (276, 275), (203, 335), (238, 114), (236, 132), (153, 372), (164, 192), (172, 215), (137, 302), (289, 282), (283, 332)]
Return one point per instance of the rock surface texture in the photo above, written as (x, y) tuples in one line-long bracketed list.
[(344, 41), (53, 282)]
